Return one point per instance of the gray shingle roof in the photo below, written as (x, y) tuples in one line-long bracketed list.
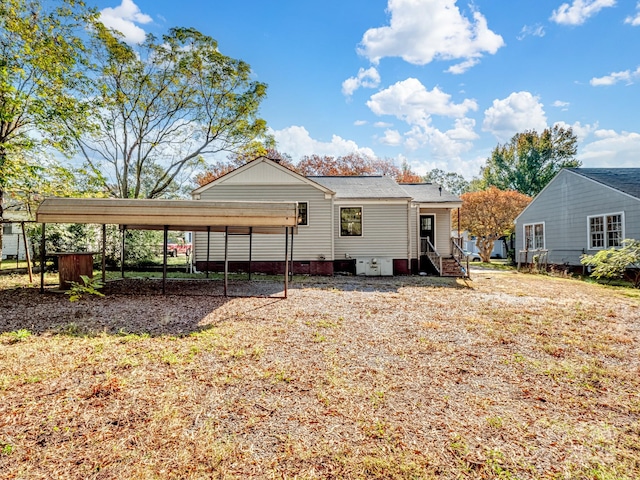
[(374, 187), (626, 180), (428, 193)]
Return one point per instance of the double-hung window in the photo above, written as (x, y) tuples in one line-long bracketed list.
[(350, 221), (605, 231), (303, 213), (534, 236)]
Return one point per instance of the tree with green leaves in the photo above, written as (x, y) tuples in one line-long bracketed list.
[(530, 160), (42, 59), (450, 181), (162, 107)]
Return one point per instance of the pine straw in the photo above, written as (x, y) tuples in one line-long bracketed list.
[(508, 376)]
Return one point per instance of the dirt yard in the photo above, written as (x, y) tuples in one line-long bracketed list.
[(507, 376)]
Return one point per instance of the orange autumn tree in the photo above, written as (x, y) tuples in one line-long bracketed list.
[(356, 164), (489, 214)]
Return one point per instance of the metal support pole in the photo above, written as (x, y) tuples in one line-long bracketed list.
[(250, 249), (104, 253), (124, 234), (206, 268), (43, 257), (27, 253), (164, 259), (226, 259), (291, 257), (286, 261)]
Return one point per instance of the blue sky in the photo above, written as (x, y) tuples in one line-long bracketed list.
[(438, 83)]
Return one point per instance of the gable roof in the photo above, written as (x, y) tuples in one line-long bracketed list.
[(260, 161), (429, 193), (626, 180), (363, 187)]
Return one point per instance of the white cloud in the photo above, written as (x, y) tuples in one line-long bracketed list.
[(580, 131), (391, 137), (611, 149), (297, 142), (359, 123), (124, 19), (579, 11), (518, 112), (409, 100), (560, 104), (382, 124), (369, 78), (420, 31), (536, 30), (626, 76), (634, 20)]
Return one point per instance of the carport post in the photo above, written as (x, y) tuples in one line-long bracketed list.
[(226, 259), (286, 260), (43, 256), (104, 253), (291, 268), (124, 234), (164, 259), (206, 268), (250, 249)]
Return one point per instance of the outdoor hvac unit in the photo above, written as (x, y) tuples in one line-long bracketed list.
[(374, 266)]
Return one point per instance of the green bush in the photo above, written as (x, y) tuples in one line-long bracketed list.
[(616, 262)]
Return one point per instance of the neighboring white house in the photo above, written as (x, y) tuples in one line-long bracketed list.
[(581, 211), (13, 241), (364, 224)]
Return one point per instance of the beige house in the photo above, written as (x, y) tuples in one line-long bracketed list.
[(367, 225)]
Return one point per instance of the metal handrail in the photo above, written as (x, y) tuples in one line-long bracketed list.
[(427, 249), (458, 255)]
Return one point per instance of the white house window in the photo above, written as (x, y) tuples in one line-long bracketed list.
[(605, 231), (350, 221), (303, 213), (534, 236)]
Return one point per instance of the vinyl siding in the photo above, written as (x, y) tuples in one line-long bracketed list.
[(384, 231), (443, 230), (309, 243), (564, 207), (10, 244)]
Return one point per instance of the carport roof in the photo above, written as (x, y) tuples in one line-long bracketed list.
[(155, 214)]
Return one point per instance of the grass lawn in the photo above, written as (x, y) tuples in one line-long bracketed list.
[(507, 376)]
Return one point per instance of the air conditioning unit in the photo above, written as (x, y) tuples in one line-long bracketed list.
[(374, 266)]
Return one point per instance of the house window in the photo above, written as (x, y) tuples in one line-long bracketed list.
[(534, 236), (350, 221), (605, 231), (6, 229), (303, 213)]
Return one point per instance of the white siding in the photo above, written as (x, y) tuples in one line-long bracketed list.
[(564, 206), (14, 243), (384, 231), (309, 243), (443, 230)]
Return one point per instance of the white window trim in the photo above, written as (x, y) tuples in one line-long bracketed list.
[(308, 216), (604, 217), (361, 221), (544, 234)]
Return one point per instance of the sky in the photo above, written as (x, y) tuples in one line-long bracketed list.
[(435, 83)]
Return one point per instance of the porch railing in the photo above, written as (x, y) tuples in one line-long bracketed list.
[(428, 250), (459, 256)]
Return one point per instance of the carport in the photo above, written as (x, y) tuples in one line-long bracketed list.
[(231, 217)]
